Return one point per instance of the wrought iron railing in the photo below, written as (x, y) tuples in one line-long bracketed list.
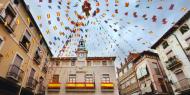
[(182, 85), (31, 83), (15, 73), (172, 63)]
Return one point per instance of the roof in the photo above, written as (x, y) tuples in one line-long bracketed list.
[(88, 58), (129, 59), (35, 24), (150, 53), (171, 30)]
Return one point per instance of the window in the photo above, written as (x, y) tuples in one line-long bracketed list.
[(57, 63), (55, 79), (15, 68), (125, 69), (184, 28), (156, 69), (16, 1), (31, 25), (72, 77), (41, 41), (89, 78), (10, 15), (25, 42), (72, 63), (18, 60), (89, 63), (162, 85), (32, 73), (104, 63), (37, 56), (105, 78), (165, 44), (120, 74), (130, 65)]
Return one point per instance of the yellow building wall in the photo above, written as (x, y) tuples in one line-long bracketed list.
[(11, 46)]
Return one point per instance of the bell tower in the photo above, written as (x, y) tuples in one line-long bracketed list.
[(81, 51)]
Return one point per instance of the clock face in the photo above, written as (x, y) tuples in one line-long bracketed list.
[(81, 56)]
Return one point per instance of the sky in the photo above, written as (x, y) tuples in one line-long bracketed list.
[(120, 26)]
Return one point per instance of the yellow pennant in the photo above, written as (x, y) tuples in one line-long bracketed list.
[(48, 16), (55, 27), (47, 31), (39, 17), (58, 14), (17, 21), (28, 20)]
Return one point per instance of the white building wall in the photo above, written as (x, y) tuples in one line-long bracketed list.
[(177, 51)]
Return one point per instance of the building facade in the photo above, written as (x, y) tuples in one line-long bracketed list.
[(24, 54), (150, 75), (173, 49), (82, 75), (127, 79)]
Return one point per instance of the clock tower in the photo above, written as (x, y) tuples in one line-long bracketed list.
[(81, 51)]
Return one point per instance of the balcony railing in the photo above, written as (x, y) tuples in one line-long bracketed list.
[(53, 85), (11, 27), (172, 63), (107, 86), (131, 88), (128, 73), (182, 85), (80, 85), (24, 46), (37, 59), (31, 83), (15, 73)]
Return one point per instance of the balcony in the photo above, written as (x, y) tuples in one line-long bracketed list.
[(37, 60), (128, 73), (31, 83), (131, 88), (54, 87), (15, 73), (24, 45), (10, 27), (107, 86), (80, 86), (172, 63), (182, 85)]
